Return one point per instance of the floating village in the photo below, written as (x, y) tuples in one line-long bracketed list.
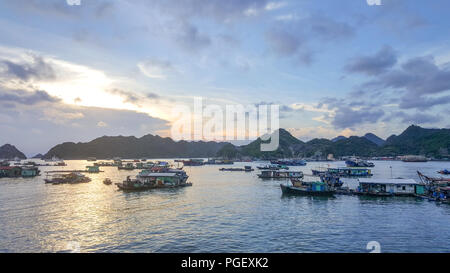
[(320, 182)]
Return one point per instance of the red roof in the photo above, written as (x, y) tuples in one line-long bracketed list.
[(8, 167)]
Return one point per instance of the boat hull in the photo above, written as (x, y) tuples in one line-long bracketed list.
[(299, 191), (123, 187)]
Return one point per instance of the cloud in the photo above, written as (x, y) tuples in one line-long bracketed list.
[(25, 97), (420, 80), (191, 39), (418, 76), (347, 117), (295, 38), (219, 10), (275, 5), (35, 68), (155, 69), (127, 96), (49, 122), (383, 60), (416, 118), (102, 124), (422, 102)]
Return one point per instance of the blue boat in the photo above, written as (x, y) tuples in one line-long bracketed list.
[(350, 172), (316, 188), (445, 172)]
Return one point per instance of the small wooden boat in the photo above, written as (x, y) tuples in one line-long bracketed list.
[(107, 181)]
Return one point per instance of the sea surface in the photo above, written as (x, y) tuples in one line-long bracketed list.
[(221, 212)]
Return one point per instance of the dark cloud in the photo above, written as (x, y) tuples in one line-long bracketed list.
[(419, 81), (418, 76), (134, 98), (297, 37), (152, 96), (191, 39), (127, 96), (377, 64), (283, 42), (347, 117), (25, 97), (36, 68), (422, 103), (350, 112), (416, 118)]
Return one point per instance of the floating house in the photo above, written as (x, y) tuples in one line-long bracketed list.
[(93, 169), (10, 171), (281, 174), (390, 187), (29, 172)]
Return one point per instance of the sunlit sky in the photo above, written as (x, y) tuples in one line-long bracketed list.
[(117, 67)]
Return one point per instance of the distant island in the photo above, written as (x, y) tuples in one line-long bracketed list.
[(433, 143), (10, 152), (415, 140), (148, 146)]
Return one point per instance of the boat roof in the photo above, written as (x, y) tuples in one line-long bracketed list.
[(388, 181), (159, 174), (281, 171)]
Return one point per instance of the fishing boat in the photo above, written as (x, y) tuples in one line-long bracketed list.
[(66, 178), (356, 162), (444, 172), (433, 180), (289, 162), (311, 188), (193, 162), (350, 172), (147, 180), (308, 188), (107, 181), (280, 174), (245, 169)]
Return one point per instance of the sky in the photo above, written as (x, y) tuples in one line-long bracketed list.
[(71, 73)]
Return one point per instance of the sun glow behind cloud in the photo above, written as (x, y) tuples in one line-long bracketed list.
[(84, 86)]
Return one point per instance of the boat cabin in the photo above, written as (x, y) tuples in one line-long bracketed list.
[(405, 187), (350, 172), (30, 171), (93, 169), (281, 174)]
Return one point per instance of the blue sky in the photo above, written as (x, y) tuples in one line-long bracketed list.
[(105, 67)]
